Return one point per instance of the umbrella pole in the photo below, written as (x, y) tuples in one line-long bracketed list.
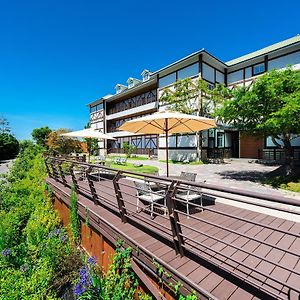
[(167, 148)]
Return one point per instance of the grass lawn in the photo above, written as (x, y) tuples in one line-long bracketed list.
[(132, 168), (182, 163), (291, 184)]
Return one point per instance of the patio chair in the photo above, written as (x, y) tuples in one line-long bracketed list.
[(123, 160), (100, 159), (145, 193), (187, 176), (116, 160), (191, 193)]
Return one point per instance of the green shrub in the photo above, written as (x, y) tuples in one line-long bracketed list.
[(34, 250)]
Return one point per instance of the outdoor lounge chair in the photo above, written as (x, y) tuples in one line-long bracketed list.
[(190, 193), (145, 193), (187, 176), (100, 159), (120, 160)]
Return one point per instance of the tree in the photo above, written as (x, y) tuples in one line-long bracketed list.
[(40, 135), (9, 146), (4, 125), (271, 106), (193, 96), (91, 143), (63, 145), (129, 149)]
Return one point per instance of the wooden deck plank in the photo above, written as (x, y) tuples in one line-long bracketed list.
[(212, 249)]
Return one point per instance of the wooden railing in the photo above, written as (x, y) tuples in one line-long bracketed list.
[(177, 220)]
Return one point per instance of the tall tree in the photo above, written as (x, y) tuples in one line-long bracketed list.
[(194, 96), (40, 135), (91, 143), (9, 146), (271, 106), (4, 125), (63, 145)]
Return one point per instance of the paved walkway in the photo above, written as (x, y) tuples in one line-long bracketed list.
[(5, 165), (235, 173)]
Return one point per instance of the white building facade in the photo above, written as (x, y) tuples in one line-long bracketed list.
[(141, 97)]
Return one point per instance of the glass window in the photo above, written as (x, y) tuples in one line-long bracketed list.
[(258, 69), (96, 107), (189, 71), (208, 73), (220, 138), (146, 77), (167, 80)]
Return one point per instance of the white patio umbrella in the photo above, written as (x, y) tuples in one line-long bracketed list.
[(168, 122), (88, 133)]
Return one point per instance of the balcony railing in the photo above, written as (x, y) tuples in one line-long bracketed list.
[(177, 211)]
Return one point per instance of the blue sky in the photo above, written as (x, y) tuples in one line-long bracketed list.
[(57, 56)]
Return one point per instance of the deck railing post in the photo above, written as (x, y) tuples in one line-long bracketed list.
[(91, 185), (174, 218), (119, 196), (74, 177), (47, 167), (62, 175), (54, 170)]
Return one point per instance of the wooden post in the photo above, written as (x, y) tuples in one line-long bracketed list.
[(174, 218), (62, 175), (47, 167), (91, 185), (54, 170), (119, 196), (74, 177)]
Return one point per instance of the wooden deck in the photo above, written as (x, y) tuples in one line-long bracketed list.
[(230, 252)]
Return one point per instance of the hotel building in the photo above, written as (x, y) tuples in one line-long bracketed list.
[(140, 97)]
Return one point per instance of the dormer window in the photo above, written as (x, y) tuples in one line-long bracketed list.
[(120, 88), (132, 82), (145, 75)]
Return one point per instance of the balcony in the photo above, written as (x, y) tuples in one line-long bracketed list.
[(132, 111)]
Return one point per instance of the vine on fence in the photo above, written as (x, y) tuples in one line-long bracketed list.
[(74, 217)]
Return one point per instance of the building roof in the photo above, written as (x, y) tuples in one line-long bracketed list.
[(264, 51)]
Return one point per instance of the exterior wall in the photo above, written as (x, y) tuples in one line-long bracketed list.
[(250, 145), (96, 244), (178, 154)]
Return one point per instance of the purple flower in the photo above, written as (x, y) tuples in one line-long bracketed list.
[(24, 268), (79, 289), (84, 282), (57, 231), (6, 252), (92, 260), (63, 238), (50, 235)]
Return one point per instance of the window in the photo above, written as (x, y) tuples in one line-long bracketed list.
[(167, 80), (130, 84), (146, 77), (189, 71), (258, 69), (220, 138), (96, 107), (208, 73)]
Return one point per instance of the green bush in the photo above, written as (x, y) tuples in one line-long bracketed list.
[(35, 252), (9, 146)]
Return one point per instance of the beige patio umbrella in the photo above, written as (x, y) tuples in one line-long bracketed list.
[(168, 122), (88, 133)]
